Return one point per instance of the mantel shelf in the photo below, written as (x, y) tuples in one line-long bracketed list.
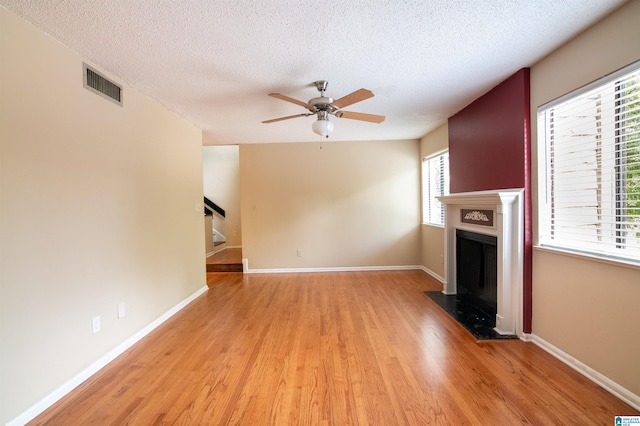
[(492, 197)]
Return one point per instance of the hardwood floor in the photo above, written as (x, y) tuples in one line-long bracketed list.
[(228, 255), (329, 349)]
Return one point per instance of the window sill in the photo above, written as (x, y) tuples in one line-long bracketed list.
[(432, 225), (591, 257)]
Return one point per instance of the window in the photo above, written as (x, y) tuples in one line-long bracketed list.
[(435, 182), (590, 196)]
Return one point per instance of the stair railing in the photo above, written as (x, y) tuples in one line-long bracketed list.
[(210, 207)]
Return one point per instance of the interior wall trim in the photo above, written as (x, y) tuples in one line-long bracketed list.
[(100, 363), (434, 275), (247, 270), (222, 247), (595, 376)]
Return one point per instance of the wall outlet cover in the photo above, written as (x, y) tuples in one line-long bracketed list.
[(95, 324)]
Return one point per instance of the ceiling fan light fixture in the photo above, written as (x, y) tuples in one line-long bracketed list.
[(322, 127)]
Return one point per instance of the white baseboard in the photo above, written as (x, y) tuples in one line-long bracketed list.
[(591, 374), (211, 253), (219, 248), (434, 275), (74, 382), (246, 270)]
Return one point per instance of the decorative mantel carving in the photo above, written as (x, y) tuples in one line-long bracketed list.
[(507, 226), (477, 217)]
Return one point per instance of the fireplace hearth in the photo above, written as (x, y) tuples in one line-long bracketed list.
[(479, 322)]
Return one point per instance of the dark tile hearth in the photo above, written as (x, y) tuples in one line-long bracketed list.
[(479, 323)]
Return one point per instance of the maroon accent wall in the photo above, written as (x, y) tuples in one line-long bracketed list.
[(490, 148), (486, 139)]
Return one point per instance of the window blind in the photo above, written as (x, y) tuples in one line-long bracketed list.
[(591, 171), (435, 172)]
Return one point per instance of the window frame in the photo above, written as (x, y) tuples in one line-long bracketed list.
[(546, 239), (429, 199)]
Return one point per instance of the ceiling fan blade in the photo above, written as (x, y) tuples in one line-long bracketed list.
[(273, 120), (352, 98), (288, 99), (372, 118)]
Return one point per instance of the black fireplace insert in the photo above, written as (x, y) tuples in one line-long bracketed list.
[(477, 269)]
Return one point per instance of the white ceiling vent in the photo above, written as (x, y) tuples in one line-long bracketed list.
[(100, 85)]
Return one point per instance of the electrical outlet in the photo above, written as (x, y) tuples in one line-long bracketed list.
[(121, 310), (96, 324), (299, 253)]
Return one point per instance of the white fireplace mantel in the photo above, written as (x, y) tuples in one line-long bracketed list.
[(508, 225)]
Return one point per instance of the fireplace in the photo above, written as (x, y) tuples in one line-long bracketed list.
[(477, 269), (496, 215)]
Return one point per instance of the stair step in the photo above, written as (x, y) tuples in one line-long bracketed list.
[(224, 267)]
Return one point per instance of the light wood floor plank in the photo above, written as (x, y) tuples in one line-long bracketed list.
[(348, 348)]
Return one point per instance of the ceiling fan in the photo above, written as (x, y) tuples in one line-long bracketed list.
[(324, 106)]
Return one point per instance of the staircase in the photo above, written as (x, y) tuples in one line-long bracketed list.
[(227, 260), (218, 241), (223, 259)]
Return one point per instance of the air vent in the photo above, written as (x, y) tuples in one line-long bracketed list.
[(100, 85)]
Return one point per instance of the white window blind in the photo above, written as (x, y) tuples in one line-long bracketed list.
[(590, 198), (435, 182)]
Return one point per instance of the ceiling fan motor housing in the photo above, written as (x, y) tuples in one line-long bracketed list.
[(322, 103)]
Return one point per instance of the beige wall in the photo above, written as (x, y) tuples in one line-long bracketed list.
[(98, 207), (208, 235), (433, 236), (221, 177), (586, 308), (344, 204)]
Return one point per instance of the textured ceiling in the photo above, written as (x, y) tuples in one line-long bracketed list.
[(213, 62)]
